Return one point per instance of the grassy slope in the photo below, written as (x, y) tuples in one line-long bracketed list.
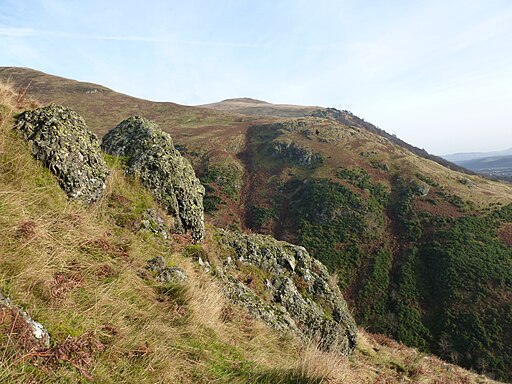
[(80, 272), (370, 278)]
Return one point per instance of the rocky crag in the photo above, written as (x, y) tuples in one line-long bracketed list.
[(275, 281), (162, 170), (61, 140), (290, 290)]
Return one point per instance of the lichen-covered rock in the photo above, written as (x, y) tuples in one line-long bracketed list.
[(293, 292), (290, 152), (24, 332), (61, 140), (420, 188), (153, 222), (162, 170), (165, 274)]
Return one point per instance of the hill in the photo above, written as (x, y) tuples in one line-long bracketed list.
[(422, 252), (81, 272), (248, 106), (466, 156), (497, 165)]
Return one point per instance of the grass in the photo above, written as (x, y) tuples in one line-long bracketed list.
[(81, 273)]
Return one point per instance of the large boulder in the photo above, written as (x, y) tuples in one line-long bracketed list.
[(162, 170), (287, 288), (61, 140)]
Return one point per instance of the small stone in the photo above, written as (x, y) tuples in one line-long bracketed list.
[(29, 334), (153, 222), (157, 264), (165, 274), (172, 275)]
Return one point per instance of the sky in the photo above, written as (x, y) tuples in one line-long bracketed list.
[(436, 73)]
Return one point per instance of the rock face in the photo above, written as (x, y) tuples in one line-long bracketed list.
[(287, 288), (61, 140), (26, 333), (162, 170), (291, 152)]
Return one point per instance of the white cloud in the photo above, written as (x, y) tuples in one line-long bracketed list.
[(16, 32)]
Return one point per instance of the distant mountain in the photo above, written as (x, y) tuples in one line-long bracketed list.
[(497, 164), (494, 162), (465, 156)]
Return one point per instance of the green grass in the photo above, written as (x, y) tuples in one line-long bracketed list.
[(81, 271)]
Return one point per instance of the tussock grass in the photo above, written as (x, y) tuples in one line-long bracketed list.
[(81, 273)]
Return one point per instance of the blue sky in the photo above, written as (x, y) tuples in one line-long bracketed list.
[(438, 74)]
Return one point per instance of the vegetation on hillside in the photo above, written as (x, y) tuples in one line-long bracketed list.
[(416, 261), (401, 257)]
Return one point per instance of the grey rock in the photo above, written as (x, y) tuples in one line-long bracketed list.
[(156, 265), (468, 183), (165, 274), (26, 332), (61, 140), (173, 275), (162, 170), (421, 188), (154, 223), (302, 299), (290, 152)]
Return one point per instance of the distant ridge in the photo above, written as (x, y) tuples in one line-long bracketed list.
[(245, 100), (465, 156), (255, 107)]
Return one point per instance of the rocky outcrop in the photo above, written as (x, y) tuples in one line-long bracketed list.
[(162, 170), (420, 188), (165, 274), (290, 152), (287, 288), (154, 223), (24, 332), (61, 140)]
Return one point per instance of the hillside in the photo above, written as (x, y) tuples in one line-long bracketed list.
[(497, 165), (82, 273), (248, 106), (421, 252)]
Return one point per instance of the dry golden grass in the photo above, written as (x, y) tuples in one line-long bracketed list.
[(82, 275)]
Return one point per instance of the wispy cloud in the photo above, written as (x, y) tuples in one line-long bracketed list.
[(16, 32), (29, 32), (222, 44)]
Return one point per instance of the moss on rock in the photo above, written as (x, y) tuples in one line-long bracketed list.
[(162, 170), (61, 140), (301, 298)]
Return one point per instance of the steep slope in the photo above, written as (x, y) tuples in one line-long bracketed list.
[(82, 272), (421, 252)]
